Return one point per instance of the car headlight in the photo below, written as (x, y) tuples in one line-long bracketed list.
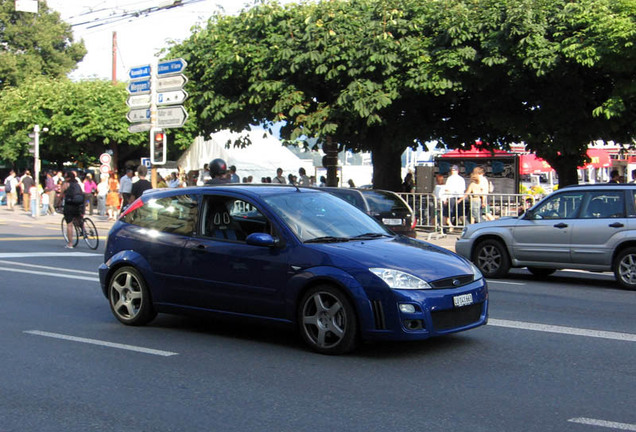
[(476, 272), (396, 279)]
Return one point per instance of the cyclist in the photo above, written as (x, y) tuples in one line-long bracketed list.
[(73, 205)]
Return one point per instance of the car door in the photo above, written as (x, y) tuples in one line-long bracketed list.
[(545, 233), (602, 219), (226, 273)]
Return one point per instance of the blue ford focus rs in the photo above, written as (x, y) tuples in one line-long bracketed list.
[(291, 255)]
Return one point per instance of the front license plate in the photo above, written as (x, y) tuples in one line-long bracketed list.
[(463, 300), (392, 221)]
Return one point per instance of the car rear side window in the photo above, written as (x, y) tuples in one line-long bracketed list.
[(605, 204), (175, 214)]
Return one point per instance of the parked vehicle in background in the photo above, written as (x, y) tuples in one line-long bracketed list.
[(290, 255), (386, 207), (586, 227)]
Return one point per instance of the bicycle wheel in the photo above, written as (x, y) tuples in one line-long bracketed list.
[(90, 234), (65, 233)]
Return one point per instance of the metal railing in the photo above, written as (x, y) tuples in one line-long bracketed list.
[(451, 215)]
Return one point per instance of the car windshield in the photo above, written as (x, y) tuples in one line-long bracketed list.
[(322, 217)]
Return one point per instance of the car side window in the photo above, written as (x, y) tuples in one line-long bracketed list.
[(565, 205), (604, 204), (175, 214), (226, 218)]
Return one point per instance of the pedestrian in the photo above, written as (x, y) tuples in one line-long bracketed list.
[(140, 185), (351, 183), (455, 186), (26, 182), (112, 198), (125, 186), (73, 206), (323, 181), (218, 171), (10, 188), (408, 184), (90, 191), (102, 192), (477, 193), (234, 178), (303, 180), (279, 179), (49, 190), (204, 175)]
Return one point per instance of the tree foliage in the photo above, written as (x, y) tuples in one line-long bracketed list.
[(84, 119), (35, 44)]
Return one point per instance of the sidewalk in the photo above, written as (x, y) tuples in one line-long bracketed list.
[(21, 217)]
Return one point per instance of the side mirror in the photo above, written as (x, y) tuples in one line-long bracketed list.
[(260, 239)]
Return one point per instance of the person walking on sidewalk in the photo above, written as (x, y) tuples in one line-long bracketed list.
[(49, 190), (26, 183), (11, 189)]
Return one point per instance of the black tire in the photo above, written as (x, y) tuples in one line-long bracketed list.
[(64, 234), (129, 297), (541, 272), (91, 237), (491, 257), (625, 268), (327, 321)]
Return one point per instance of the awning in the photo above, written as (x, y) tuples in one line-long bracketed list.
[(599, 158), (474, 152), (531, 164)]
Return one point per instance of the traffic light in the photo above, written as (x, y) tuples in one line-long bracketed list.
[(32, 143), (158, 146)]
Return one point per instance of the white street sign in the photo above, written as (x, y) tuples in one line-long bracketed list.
[(138, 101), (138, 115), (175, 82), (175, 97), (139, 127), (171, 117)]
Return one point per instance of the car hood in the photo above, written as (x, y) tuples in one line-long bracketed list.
[(418, 258)]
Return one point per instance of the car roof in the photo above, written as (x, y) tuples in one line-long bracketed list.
[(598, 185), (247, 189)]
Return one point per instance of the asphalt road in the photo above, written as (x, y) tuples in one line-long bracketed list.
[(557, 355)]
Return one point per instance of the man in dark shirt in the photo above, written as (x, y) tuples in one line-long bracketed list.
[(140, 185)]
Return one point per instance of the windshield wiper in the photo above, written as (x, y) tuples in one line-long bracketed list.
[(327, 239), (370, 235)]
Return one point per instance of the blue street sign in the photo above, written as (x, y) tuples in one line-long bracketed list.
[(169, 67), (142, 86), (146, 162), (139, 72)]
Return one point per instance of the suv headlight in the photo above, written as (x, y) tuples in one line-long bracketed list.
[(396, 279)]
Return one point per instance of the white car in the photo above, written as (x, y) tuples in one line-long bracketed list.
[(585, 227)]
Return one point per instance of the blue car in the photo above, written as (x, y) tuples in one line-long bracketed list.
[(280, 253)]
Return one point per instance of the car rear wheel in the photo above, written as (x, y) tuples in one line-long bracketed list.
[(327, 320), (625, 268), (541, 272), (129, 297), (491, 258)]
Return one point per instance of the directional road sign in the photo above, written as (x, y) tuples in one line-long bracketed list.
[(171, 117), (138, 115), (174, 97), (139, 87), (139, 127), (171, 67), (139, 72), (174, 82), (138, 101)]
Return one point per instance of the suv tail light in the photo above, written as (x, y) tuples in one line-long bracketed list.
[(414, 223)]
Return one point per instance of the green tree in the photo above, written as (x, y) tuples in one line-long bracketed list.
[(35, 44), (84, 119)]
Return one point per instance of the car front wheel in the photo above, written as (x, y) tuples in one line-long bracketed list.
[(491, 258), (625, 268), (129, 297), (327, 320)]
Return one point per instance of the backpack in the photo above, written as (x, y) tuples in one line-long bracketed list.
[(77, 196), (7, 185)]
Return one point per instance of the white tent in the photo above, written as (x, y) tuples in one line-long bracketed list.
[(260, 159)]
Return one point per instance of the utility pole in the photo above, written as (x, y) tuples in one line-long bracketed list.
[(36, 165), (114, 54)]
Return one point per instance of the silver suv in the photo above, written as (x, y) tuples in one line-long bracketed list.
[(586, 227)]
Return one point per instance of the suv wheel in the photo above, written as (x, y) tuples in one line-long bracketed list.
[(625, 268), (491, 258)]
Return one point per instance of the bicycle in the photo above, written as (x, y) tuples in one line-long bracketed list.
[(87, 230)]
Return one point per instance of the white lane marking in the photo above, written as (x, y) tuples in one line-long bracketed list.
[(102, 343), (47, 267), (625, 337), (47, 254), (603, 423), (59, 275)]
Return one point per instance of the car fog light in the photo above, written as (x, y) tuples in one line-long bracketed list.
[(407, 308)]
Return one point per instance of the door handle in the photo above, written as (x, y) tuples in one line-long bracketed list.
[(616, 225), (561, 225)]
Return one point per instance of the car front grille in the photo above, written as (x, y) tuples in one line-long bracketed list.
[(452, 282), (457, 317)]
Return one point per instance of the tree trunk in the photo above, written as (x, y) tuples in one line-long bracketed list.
[(387, 166), (566, 168)]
